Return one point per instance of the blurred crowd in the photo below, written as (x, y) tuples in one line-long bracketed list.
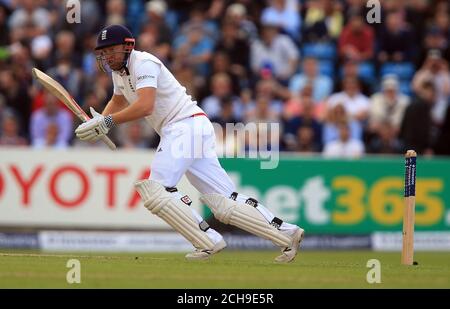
[(334, 82)]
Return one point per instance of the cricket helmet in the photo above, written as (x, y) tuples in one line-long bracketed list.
[(114, 35), (110, 36)]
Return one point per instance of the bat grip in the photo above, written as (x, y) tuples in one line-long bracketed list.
[(105, 139), (108, 142)]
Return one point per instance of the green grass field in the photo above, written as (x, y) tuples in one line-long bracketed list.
[(229, 269)]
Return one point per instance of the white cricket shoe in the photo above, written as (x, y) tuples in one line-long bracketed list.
[(204, 254), (289, 253)]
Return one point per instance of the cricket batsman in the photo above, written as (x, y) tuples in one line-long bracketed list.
[(145, 88)]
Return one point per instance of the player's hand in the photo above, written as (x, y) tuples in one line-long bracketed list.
[(94, 128)]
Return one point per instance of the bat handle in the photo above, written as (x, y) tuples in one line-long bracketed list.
[(108, 142), (105, 139)]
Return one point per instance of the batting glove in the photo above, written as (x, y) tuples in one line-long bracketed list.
[(94, 128)]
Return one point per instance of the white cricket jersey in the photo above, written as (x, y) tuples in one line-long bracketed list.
[(172, 103)]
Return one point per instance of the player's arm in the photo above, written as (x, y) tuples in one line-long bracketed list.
[(147, 81), (100, 125), (143, 107), (147, 73), (116, 104)]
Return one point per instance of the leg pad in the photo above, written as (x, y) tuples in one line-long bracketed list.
[(245, 217), (174, 212)]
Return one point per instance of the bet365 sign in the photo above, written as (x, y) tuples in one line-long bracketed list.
[(342, 196)]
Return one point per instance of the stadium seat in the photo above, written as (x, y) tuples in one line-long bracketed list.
[(366, 71), (405, 87), (404, 70), (326, 67), (325, 51)]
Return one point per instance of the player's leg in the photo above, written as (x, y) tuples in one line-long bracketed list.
[(175, 210), (295, 233), (218, 193), (243, 212), (162, 198)]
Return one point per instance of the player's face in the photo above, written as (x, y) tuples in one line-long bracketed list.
[(112, 57)]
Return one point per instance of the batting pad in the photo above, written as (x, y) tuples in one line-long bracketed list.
[(173, 211), (245, 217)]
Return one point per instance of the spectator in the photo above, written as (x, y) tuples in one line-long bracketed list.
[(88, 59), (336, 116), (226, 113), (41, 47), (387, 106), (187, 77), (115, 12), (274, 52), (416, 15), (352, 69), (323, 21), (385, 141), (435, 70), (322, 84), (155, 29), (345, 146), (228, 144), (434, 40), (135, 14), (443, 146), (396, 40), (194, 49), (103, 87), (271, 87), (357, 40), (265, 111), (416, 129), (221, 88), (354, 6), (198, 18), (51, 138), (442, 23), (295, 105), (247, 102), (283, 13), (51, 125), (68, 76), (65, 48), (355, 103), (268, 89), (263, 125), (4, 110), (236, 48), (4, 29), (30, 12), (92, 99), (221, 64), (9, 132), (21, 61), (36, 34), (293, 137), (132, 137), (306, 140), (236, 14), (92, 19), (17, 98)]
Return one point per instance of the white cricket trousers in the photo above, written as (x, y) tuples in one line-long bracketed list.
[(188, 147)]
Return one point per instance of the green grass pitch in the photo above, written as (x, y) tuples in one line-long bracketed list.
[(228, 269)]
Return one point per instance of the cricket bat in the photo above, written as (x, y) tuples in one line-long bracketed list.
[(58, 90)]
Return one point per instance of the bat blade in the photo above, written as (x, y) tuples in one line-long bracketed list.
[(61, 93)]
